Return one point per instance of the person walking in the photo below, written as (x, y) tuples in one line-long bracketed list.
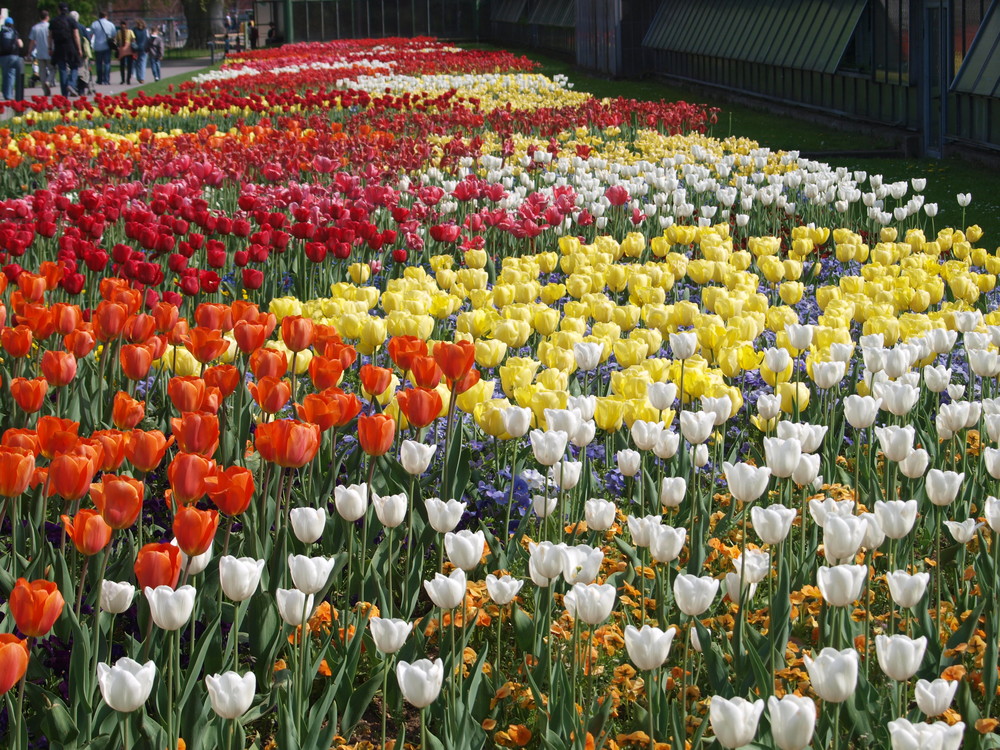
[(155, 52), (103, 35), (38, 44), (140, 48), (124, 39), (66, 49), (84, 77), (11, 62)]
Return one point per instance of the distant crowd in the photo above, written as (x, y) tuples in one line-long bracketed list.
[(81, 55)]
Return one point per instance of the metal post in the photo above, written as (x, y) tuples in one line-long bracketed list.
[(289, 35)]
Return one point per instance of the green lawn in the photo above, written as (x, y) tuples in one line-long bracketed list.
[(945, 177)]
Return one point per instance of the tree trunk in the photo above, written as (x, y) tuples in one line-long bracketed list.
[(205, 18)]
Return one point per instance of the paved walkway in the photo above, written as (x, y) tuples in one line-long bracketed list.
[(169, 69)]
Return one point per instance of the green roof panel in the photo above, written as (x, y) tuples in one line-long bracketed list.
[(980, 71), (802, 34)]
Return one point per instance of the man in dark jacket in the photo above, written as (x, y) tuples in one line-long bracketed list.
[(67, 49), (11, 62)]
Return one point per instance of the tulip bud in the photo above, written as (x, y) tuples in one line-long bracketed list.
[(390, 509), (420, 682), (465, 548), (600, 514), (833, 674), (734, 721), (793, 721), (590, 603), (503, 590), (934, 698), (116, 597), (239, 576), (308, 524), (447, 592), (170, 608), (351, 501), (294, 606), (415, 457), (389, 635), (772, 523), (648, 647), (126, 685), (899, 656), (694, 594), (231, 694), (310, 574)]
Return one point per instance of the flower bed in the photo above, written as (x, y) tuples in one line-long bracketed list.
[(354, 367)]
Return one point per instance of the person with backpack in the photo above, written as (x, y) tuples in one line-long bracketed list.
[(66, 49), (140, 48), (155, 52), (124, 41), (103, 35), (84, 78), (11, 62), (38, 45)]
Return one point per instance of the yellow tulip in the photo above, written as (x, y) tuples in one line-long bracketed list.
[(518, 372), (282, 307), (609, 413), (545, 321), (359, 272), (480, 392), (793, 395), (373, 335), (489, 417), (490, 353), (475, 258)]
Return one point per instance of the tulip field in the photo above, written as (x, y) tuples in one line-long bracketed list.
[(385, 394)]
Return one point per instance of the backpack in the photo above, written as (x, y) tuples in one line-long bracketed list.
[(8, 40), (141, 41)]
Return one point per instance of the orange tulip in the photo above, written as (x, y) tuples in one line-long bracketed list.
[(205, 344), (231, 490), (266, 362), (79, 342), (195, 529), (338, 350), (288, 442), (420, 406), (455, 360), (402, 350), (139, 328), (56, 435), (109, 320), (249, 336), (89, 531), (67, 318), (348, 406), (214, 315), (325, 372), (187, 474), (59, 368), (424, 372), (224, 377), (32, 287), (35, 606), (22, 438), (375, 433), (297, 332), (244, 310), (166, 316), (158, 565), (271, 394), (39, 319), (468, 381), (145, 450), (16, 341), (320, 409), (29, 395), (118, 499), (126, 412), (113, 442), (70, 475), (196, 432), (13, 660), (16, 467), (135, 360), (375, 380), (187, 393)]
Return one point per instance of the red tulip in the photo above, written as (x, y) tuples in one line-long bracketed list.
[(88, 530), (158, 565), (118, 499), (35, 606), (195, 529), (375, 433), (287, 442)]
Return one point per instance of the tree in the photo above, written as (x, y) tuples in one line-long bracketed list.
[(205, 18)]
